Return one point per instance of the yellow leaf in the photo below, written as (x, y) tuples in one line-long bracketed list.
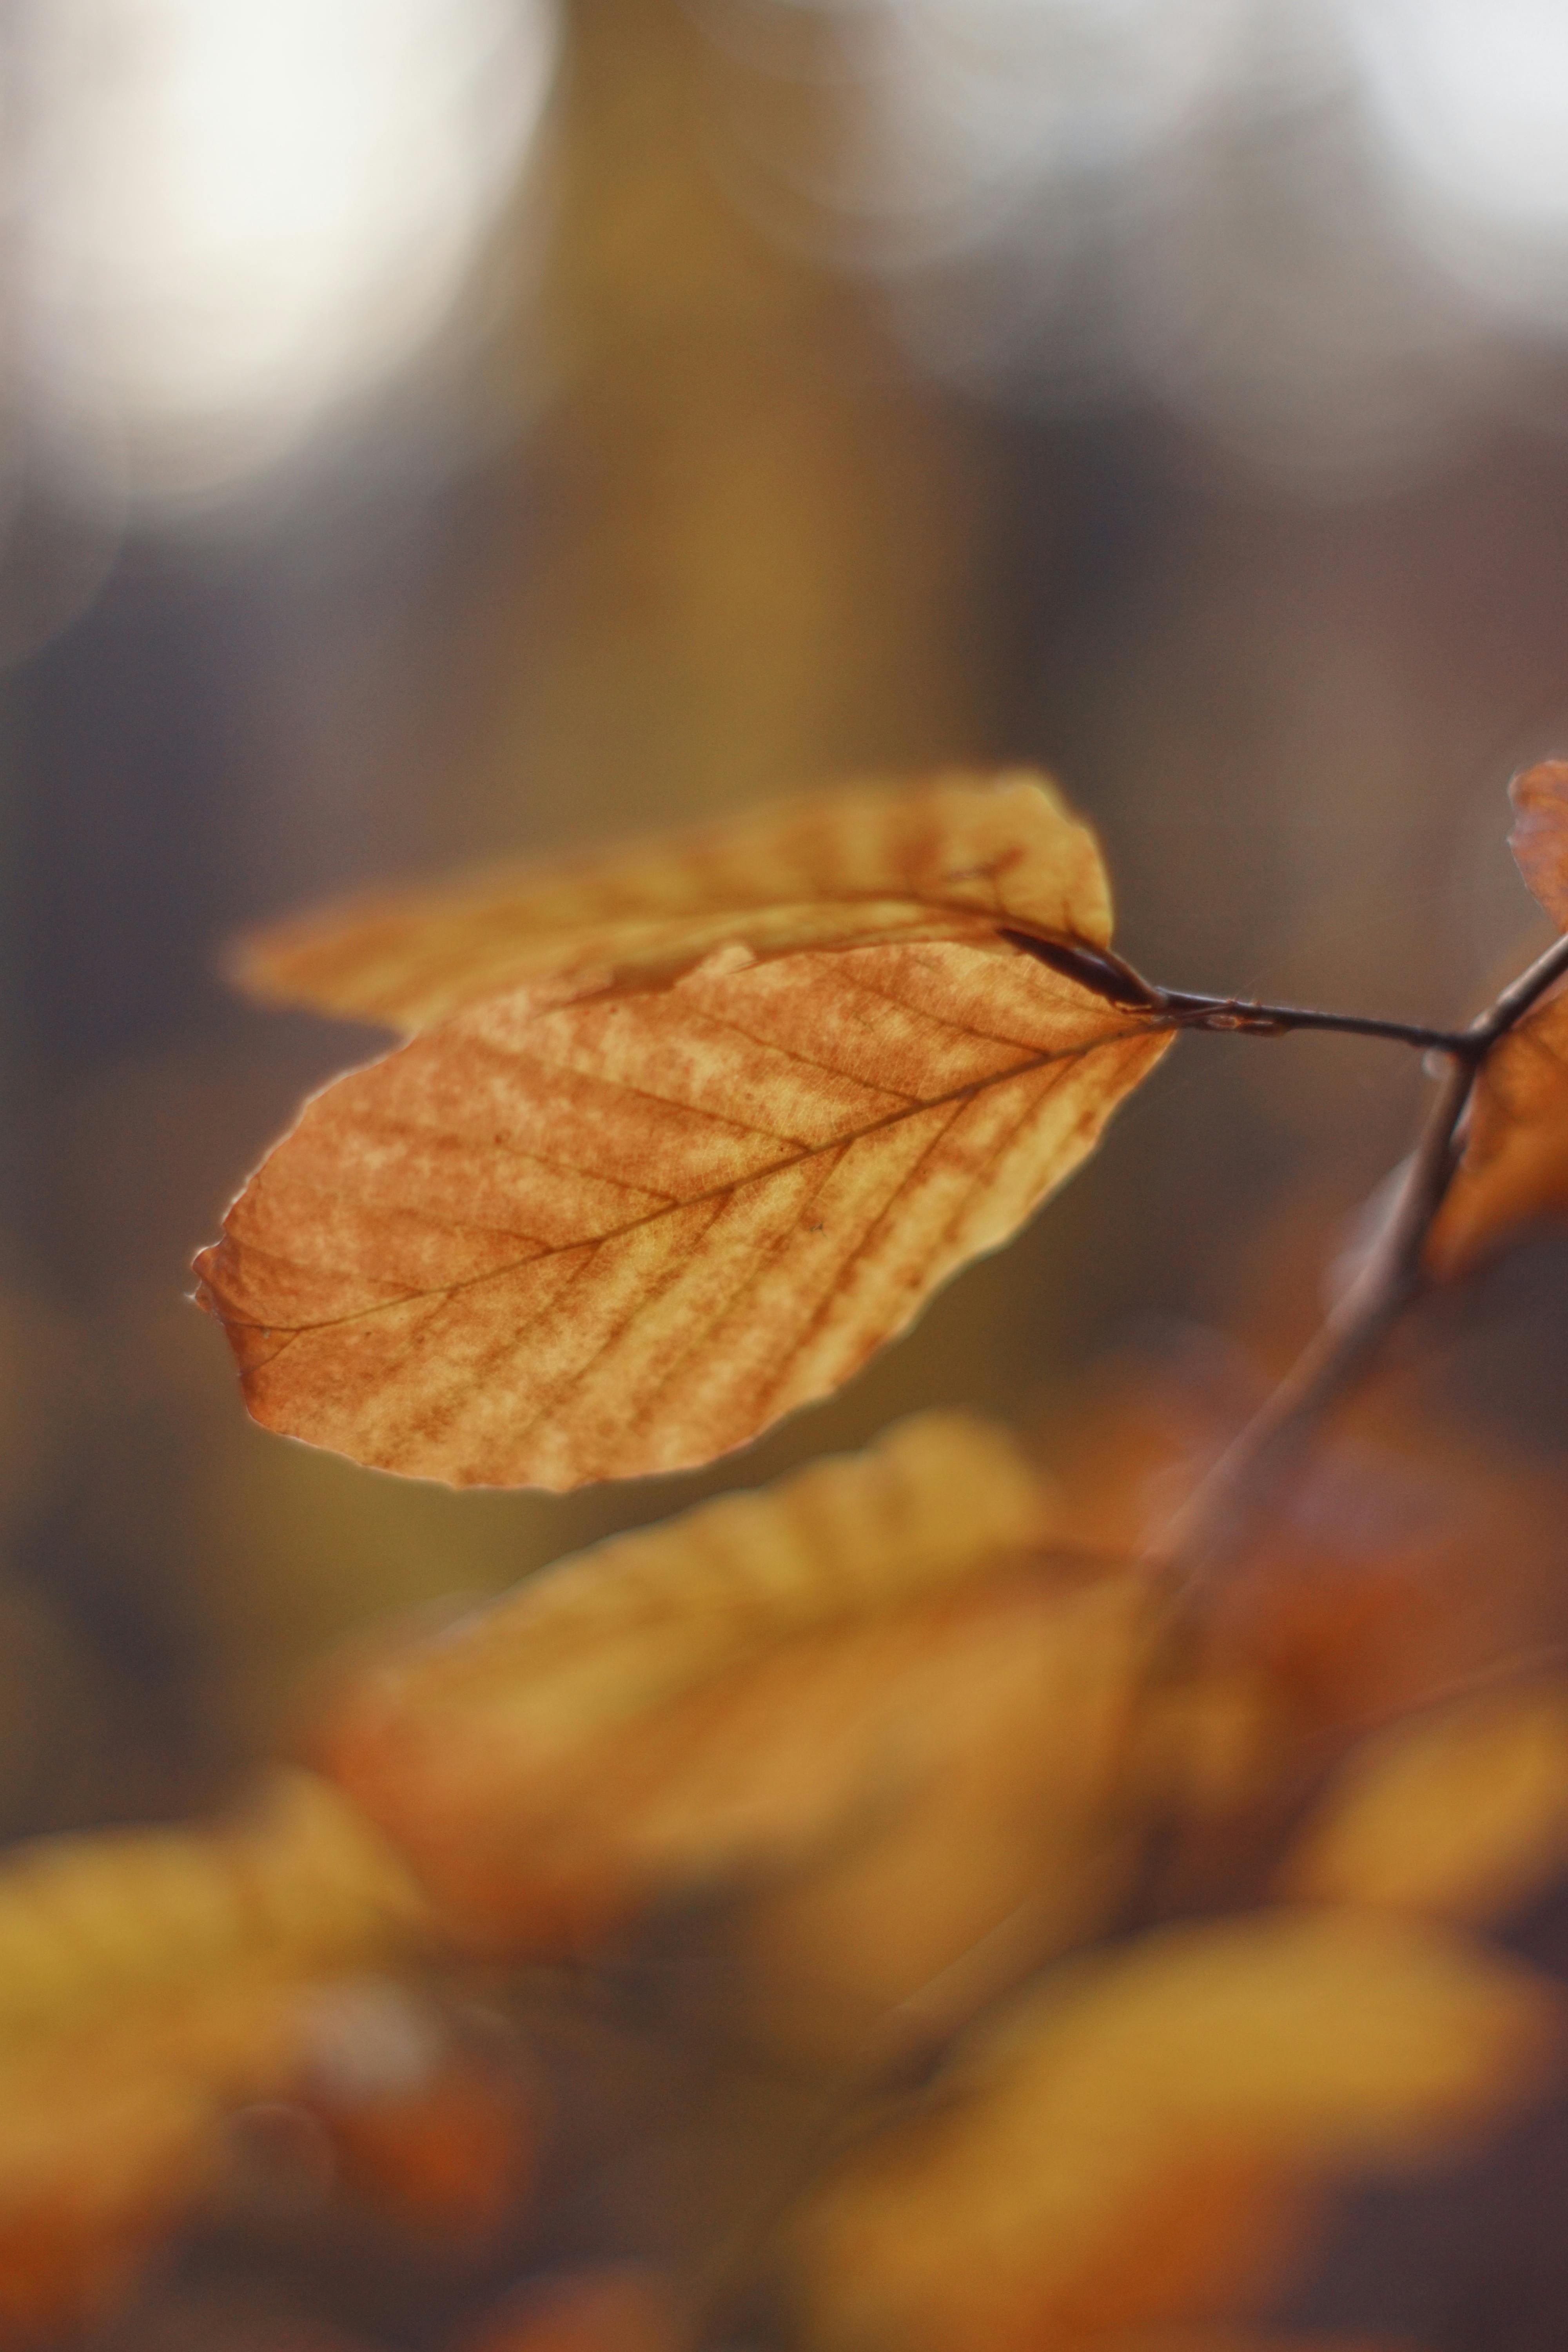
[(1540, 837), (1014, 1841), (1138, 2145), (1462, 1814), (729, 1691), (949, 858), (149, 1981), (549, 1243)]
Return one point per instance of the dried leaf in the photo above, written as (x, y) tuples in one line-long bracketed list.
[(1140, 2144), (1462, 1814), (1015, 1844), (1514, 1171), (549, 1243), (1247, 2340), (149, 1981), (620, 2310), (727, 1692), (1540, 837), (949, 858)]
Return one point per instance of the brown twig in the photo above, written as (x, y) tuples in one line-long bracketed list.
[(1214, 1523), (1110, 977), (1212, 1526)]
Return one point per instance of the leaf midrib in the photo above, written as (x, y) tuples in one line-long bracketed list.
[(914, 1108)]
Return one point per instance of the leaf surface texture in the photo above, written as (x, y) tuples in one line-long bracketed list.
[(546, 1243), (950, 857), (1540, 837)]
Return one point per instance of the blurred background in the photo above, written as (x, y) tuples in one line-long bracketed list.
[(438, 428), (432, 429)]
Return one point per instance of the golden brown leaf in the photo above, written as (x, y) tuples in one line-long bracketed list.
[(547, 1242), (1540, 837), (949, 858), (149, 1981), (729, 1691), (1514, 1171), (1462, 1814), (1140, 2144), (1015, 1844)]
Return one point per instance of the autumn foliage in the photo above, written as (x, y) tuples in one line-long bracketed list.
[(678, 1142), (1102, 1894)]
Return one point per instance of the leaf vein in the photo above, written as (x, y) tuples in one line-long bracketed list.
[(957, 1095)]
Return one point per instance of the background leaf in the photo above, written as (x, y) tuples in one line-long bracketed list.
[(1514, 1171), (150, 1982), (1461, 1813), (734, 1689), (1140, 2142)]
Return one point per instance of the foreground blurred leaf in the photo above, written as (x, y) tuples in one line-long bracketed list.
[(1540, 837), (150, 1980), (548, 1243), (1245, 2339), (1018, 1837), (948, 859), (1462, 1814), (730, 1690), (1140, 2143), (1204, 2338), (621, 2310)]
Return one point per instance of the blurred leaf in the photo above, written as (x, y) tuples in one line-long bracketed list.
[(452, 2155), (1514, 1171), (1013, 1844), (1540, 837), (1139, 2143), (948, 859), (736, 1688), (1462, 1814), (150, 1980), (546, 1243), (440, 2128), (621, 2310), (1245, 2339)]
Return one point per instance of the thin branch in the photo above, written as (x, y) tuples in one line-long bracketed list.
[(1109, 976), (1214, 1524), (1217, 1521), (1255, 1020), (1520, 994)]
